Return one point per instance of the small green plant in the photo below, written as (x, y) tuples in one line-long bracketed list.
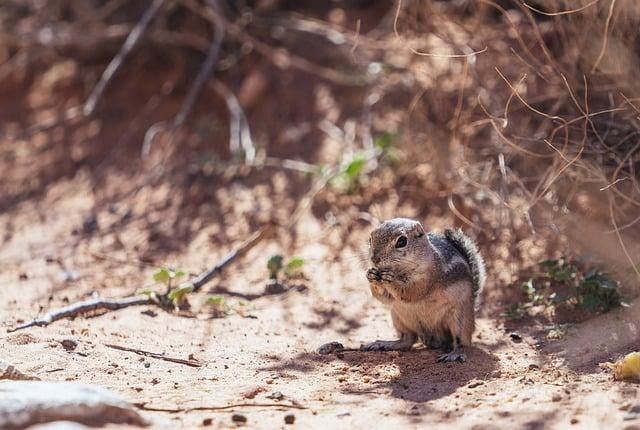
[(598, 292), (593, 291), (176, 296), (290, 269), (384, 144), (274, 265), (350, 175), (218, 305), (166, 276), (559, 270), (293, 267)]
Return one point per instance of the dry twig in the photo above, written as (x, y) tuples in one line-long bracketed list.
[(192, 363)]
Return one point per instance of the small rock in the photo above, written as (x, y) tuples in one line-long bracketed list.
[(515, 337), (59, 425), (289, 419), (330, 348), (69, 344), (26, 403), (534, 366), (574, 421), (207, 422), (556, 398), (276, 395), (238, 418), (475, 384), (23, 276), (147, 364)]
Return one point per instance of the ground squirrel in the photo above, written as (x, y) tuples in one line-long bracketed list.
[(430, 282)]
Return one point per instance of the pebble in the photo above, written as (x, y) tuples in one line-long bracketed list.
[(276, 395), (238, 418), (207, 422), (289, 419), (69, 344)]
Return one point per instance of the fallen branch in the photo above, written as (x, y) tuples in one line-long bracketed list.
[(92, 305), (83, 308), (192, 363), (144, 407)]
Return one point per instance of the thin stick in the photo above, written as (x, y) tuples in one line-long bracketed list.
[(428, 54), (205, 70), (605, 38), (84, 307), (564, 12), (117, 61), (239, 131), (144, 407), (192, 363)]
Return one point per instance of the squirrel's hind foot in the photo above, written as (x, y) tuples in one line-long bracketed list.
[(405, 343), (453, 356)]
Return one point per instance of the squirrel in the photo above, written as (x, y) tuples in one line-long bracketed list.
[(430, 282)]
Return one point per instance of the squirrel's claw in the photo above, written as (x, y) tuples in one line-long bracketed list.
[(373, 275), (387, 275)]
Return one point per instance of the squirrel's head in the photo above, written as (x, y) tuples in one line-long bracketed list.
[(399, 243)]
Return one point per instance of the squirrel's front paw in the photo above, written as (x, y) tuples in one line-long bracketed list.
[(386, 275), (373, 275)]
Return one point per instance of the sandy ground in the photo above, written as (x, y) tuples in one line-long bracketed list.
[(262, 353)]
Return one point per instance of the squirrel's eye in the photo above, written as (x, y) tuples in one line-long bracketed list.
[(401, 242)]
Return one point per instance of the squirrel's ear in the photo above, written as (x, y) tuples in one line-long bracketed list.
[(419, 231)]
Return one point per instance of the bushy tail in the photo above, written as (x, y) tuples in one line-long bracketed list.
[(470, 252)]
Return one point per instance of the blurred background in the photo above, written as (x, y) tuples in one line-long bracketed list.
[(170, 129)]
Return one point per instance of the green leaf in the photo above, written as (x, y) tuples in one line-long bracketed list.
[(528, 288), (214, 300), (293, 266), (354, 168), (162, 275), (178, 293), (384, 141), (178, 274), (548, 264), (274, 265)]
